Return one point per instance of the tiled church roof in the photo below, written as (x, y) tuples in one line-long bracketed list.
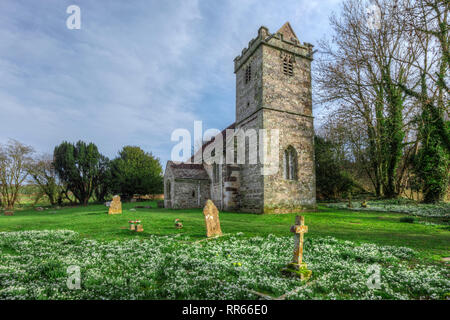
[(188, 171)]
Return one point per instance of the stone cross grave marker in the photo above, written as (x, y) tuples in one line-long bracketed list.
[(297, 267), (212, 219), (115, 206), (299, 229)]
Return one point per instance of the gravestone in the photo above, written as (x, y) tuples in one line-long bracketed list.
[(298, 229), (160, 203), (115, 206), (297, 266), (9, 213), (178, 224), (212, 219)]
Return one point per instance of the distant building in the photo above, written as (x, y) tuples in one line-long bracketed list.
[(273, 91)]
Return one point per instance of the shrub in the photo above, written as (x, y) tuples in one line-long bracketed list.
[(135, 171), (78, 167), (407, 219)]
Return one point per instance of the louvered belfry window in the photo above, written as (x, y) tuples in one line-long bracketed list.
[(288, 65), (248, 73)]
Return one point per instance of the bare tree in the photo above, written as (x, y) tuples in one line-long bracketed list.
[(359, 77), (43, 173), (426, 22), (14, 160)]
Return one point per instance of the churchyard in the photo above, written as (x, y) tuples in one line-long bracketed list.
[(353, 254)]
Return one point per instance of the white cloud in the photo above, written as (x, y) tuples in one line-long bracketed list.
[(134, 72)]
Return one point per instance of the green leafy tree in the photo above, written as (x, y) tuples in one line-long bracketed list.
[(432, 162), (104, 179), (331, 180), (78, 167), (136, 172)]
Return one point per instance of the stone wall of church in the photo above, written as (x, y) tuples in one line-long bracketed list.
[(282, 91), (216, 186), (168, 188), (231, 185), (288, 107), (251, 189), (249, 94), (184, 193), (190, 193), (282, 195)]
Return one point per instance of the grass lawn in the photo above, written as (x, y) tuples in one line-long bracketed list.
[(92, 222)]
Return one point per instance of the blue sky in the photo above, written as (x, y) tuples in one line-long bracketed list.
[(135, 71)]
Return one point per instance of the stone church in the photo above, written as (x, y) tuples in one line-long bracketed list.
[(273, 91)]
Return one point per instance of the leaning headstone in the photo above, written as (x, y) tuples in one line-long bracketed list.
[(212, 219), (297, 266), (116, 206)]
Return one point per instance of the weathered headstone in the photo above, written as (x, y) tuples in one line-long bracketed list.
[(116, 206), (136, 226), (212, 219), (298, 229), (297, 266), (178, 224)]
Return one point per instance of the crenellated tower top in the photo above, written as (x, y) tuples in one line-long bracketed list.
[(284, 39)]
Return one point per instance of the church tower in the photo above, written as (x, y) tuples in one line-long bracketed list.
[(273, 91)]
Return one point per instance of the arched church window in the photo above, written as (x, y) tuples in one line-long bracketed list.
[(290, 163)]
